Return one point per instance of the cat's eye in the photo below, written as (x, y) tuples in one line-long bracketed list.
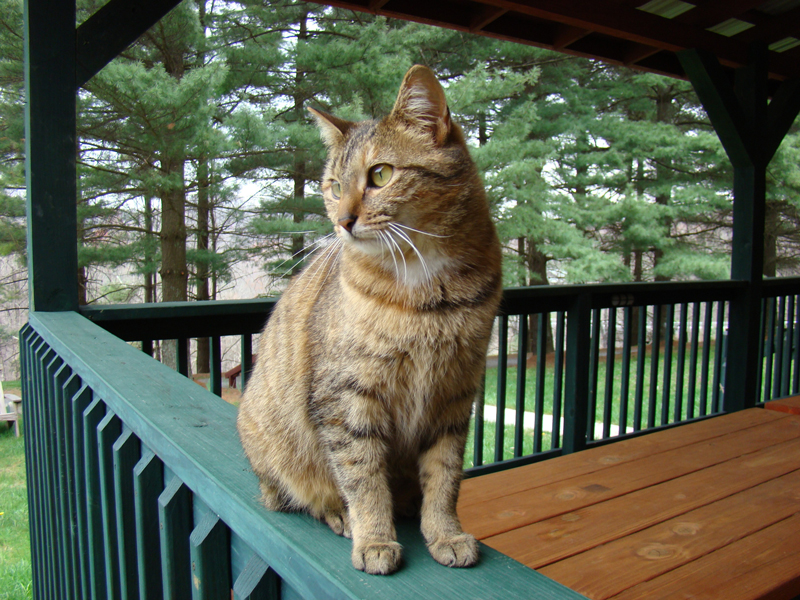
[(380, 175), (336, 189)]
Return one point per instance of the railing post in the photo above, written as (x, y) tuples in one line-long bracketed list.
[(750, 130), (50, 149), (576, 385)]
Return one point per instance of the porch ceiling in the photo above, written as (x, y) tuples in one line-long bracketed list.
[(643, 34)]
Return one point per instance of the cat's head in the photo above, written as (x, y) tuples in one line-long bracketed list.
[(404, 179)]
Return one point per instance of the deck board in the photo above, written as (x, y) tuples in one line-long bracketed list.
[(659, 517)]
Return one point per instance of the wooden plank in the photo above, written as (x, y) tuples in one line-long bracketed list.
[(126, 453), (522, 508), (487, 487), (787, 405), (678, 541), (762, 565), (80, 401), (210, 556), (559, 537), (148, 483), (256, 582), (175, 524), (108, 431), (97, 578)]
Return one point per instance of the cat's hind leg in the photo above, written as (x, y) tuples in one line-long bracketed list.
[(273, 497)]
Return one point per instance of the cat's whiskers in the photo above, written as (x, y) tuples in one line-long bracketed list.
[(404, 236), (330, 262), (382, 236), (436, 235), (390, 237), (318, 243), (324, 258)]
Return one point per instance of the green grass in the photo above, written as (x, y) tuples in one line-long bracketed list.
[(530, 387), (15, 552)]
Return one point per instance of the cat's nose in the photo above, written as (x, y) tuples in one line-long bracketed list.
[(348, 222)]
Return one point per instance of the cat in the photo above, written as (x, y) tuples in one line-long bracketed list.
[(359, 404)]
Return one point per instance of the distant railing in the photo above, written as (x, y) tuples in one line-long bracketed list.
[(138, 488), (571, 366)]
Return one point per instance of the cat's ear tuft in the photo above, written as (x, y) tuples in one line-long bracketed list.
[(421, 102), (333, 129)]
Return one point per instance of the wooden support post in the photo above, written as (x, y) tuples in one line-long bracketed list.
[(50, 149), (58, 60), (750, 130)]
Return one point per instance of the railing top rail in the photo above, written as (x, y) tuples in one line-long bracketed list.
[(193, 432), (558, 297), (173, 320)]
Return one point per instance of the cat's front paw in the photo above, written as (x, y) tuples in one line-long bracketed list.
[(377, 558), (458, 551)]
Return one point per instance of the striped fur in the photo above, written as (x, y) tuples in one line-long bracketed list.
[(359, 405)]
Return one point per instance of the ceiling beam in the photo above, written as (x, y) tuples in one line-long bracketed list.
[(110, 30)]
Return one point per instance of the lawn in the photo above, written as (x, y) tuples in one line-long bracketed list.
[(15, 553)]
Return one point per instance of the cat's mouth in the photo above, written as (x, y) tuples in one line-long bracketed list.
[(403, 251)]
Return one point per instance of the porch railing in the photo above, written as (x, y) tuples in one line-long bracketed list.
[(139, 489), (572, 366)]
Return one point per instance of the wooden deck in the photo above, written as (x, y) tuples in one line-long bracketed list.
[(706, 510)]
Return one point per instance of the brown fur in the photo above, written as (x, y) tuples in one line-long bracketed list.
[(360, 402)]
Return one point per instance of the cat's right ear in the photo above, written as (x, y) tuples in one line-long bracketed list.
[(333, 129)]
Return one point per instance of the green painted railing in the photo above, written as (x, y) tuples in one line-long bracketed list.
[(603, 362), (138, 488)]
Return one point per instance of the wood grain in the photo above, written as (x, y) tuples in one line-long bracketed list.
[(559, 537), (516, 510), (763, 565), (504, 483), (678, 541)]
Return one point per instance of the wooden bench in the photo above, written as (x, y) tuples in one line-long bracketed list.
[(10, 409), (706, 510)]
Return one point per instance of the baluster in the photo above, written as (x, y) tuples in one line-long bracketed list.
[(679, 376), (108, 431), (655, 354), (558, 381), (126, 453), (786, 367), (522, 353), (667, 379), (611, 351), (256, 582), (641, 343), (209, 545), (175, 522), (502, 369), (148, 483), (594, 367), (719, 355), (705, 368), (626, 370), (215, 356), (92, 416), (541, 370)]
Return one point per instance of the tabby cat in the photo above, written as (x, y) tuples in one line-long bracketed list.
[(359, 404)]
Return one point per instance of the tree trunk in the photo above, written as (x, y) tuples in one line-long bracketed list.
[(202, 265), (174, 276), (771, 231), (537, 265)]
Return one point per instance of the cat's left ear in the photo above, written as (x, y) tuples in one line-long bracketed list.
[(421, 102), (333, 129)]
